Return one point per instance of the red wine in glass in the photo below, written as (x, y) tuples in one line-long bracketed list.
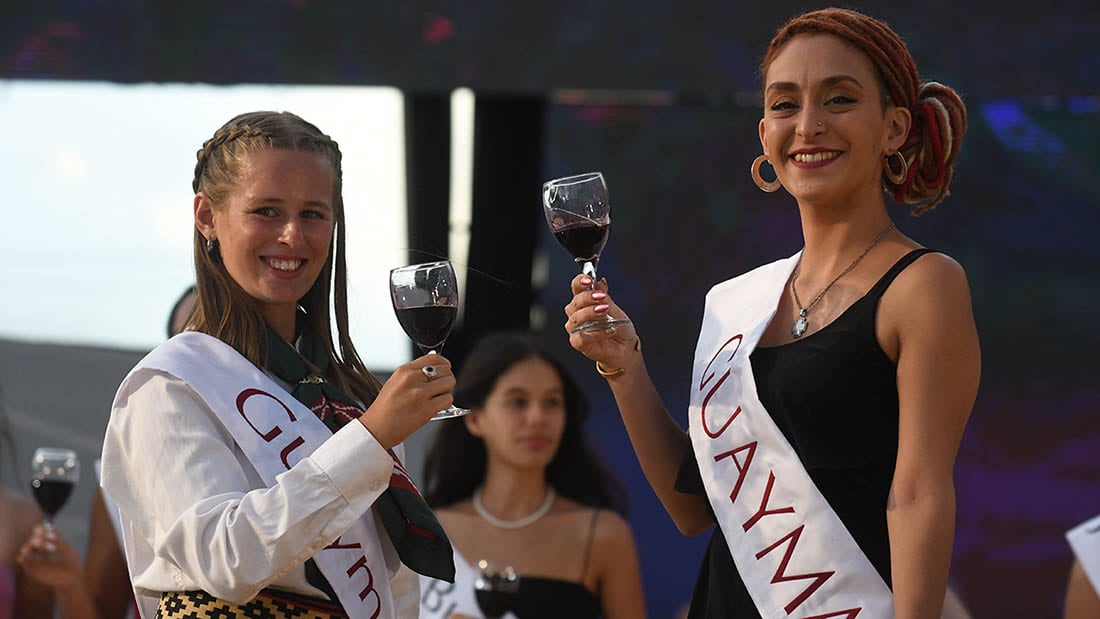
[(54, 471), (583, 240), (428, 326), (425, 299), (496, 588), (578, 212), (51, 496)]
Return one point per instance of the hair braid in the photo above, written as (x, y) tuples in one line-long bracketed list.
[(223, 136), (938, 113)]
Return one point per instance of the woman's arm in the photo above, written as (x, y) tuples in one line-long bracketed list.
[(204, 517), (105, 566), (52, 562), (616, 558), (1082, 601), (659, 442), (33, 599), (938, 368)]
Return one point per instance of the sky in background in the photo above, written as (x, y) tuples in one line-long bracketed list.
[(96, 245)]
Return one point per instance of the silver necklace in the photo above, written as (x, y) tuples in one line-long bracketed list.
[(519, 523), (801, 324)]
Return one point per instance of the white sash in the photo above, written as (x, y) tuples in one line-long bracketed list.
[(794, 554), (1084, 539), (275, 431), (440, 599)]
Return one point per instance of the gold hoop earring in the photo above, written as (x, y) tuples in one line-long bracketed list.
[(764, 185), (896, 178)]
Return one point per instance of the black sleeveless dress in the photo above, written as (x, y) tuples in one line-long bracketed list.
[(553, 598), (834, 396)]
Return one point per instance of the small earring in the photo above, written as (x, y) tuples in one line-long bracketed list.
[(209, 245), (900, 176), (764, 185)]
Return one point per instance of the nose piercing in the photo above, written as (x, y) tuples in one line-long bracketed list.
[(819, 123)]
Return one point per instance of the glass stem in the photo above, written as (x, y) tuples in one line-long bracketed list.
[(589, 269)]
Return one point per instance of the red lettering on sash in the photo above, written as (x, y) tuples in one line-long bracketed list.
[(764, 511), (710, 394), (851, 613), (336, 545), (295, 444), (362, 564), (243, 396), (819, 578), (741, 470)]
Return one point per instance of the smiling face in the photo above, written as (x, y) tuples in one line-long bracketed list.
[(523, 418), (825, 128), (274, 229)]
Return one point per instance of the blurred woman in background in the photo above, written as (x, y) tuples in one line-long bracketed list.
[(516, 484)]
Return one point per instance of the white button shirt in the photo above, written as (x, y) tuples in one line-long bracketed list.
[(196, 515)]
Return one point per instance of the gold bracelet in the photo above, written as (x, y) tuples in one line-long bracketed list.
[(620, 371)]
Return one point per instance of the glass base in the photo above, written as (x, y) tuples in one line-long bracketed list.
[(451, 411), (607, 325)]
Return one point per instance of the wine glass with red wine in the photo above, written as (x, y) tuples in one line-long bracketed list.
[(496, 588), (579, 214), (54, 472), (425, 299)]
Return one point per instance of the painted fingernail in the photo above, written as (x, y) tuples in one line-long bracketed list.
[(599, 295), (601, 308)]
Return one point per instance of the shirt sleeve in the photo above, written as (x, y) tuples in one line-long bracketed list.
[(207, 518)]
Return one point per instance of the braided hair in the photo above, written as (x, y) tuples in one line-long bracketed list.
[(223, 309), (939, 116)]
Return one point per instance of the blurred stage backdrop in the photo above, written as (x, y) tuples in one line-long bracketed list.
[(663, 98)]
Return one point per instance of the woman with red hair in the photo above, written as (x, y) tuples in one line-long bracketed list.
[(830, 389)]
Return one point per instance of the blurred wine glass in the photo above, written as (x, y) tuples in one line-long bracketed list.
[(54, 472), (496, 588)]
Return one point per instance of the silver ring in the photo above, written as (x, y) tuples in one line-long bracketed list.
[(429, 372)]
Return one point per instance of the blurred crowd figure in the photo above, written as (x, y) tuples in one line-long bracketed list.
[(516, 484), (100, 589), (21, 597)]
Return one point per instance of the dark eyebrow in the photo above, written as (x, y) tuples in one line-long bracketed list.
[(827, 82), (311, 203)]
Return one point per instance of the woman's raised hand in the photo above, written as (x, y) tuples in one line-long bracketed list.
[(49, 559), (410, 397), (609, 347)]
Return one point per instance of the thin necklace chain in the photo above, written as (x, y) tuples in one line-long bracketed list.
[(479, 507), (801, 324)]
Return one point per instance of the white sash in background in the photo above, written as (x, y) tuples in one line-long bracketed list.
[(794, 554), (440, 599), (1084, 539), (275, 431)]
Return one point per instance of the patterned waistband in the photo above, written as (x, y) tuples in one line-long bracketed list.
[(269, 604)]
